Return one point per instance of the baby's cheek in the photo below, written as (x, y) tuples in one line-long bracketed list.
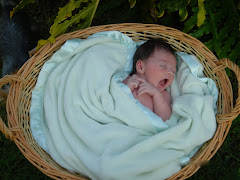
[(170, 81), (157, 68)]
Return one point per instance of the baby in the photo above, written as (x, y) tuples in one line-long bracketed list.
[(154, 67)]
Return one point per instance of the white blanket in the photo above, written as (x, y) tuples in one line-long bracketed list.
[(89, 122)]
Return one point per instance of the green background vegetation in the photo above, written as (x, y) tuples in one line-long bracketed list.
[(215, 23)]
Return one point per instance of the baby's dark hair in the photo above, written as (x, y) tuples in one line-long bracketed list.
[(147, 49)]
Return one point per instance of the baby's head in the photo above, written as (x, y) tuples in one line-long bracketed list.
[(155, 62)]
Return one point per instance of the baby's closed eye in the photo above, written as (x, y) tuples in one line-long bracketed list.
[(162, 64)]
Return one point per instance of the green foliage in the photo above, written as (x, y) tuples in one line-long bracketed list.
[(216, 23), (201, 13), (175, 5), (85, 10), (21, 5), (183, 13), (132, 3), (222, 26), (76, 14)]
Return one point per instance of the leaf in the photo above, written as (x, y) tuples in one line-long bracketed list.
[(231, 33), (187, 1), (227, 46), (63, 14), (132, 3), (183, 13), (201, 13), (214, 30), (161, 10), (172, 6), (235, 53), (41, 43), (86, 13), (85, 16), (223, 33), (21, 5), (82, 19), (209, 44), (190, 23), (204, 29)]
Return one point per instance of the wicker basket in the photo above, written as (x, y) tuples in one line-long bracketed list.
[(22, 84)]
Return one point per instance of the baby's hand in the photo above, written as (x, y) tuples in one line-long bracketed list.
[(133, 82), (145, 87)]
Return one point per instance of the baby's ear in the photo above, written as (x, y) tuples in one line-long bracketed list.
[(140, 66)]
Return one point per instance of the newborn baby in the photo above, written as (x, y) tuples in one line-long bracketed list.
[(154, 68)]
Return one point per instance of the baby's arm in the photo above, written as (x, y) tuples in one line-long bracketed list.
[(162, 106), (166, 96), (161, 100)]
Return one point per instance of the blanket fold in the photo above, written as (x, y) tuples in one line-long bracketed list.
[(89, 123)]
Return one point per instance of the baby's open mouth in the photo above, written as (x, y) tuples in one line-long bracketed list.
[(163, 82)]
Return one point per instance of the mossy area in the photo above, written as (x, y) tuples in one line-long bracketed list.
[(225, 165)]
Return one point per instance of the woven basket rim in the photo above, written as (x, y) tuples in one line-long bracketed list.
[(19, 98)]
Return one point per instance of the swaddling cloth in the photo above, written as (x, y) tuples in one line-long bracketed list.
[(88, 124)]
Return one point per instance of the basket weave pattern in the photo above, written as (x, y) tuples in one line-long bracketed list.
[(22, 84)]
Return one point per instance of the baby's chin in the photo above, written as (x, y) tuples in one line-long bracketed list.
[(161, 88)]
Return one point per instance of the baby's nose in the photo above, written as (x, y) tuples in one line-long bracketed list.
[(170, 73)]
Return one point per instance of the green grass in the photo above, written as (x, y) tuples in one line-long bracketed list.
[(225, 165), (14, 165)]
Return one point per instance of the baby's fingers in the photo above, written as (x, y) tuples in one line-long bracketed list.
[(143, 84), (135, 84), (142, 90), (141, 80), (134, 77)]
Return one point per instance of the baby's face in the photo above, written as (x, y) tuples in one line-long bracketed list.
[(160, 68)]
